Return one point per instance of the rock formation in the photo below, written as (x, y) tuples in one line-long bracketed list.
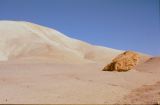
[(124, 62)]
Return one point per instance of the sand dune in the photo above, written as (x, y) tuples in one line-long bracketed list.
[(151, 65), (23, 40), (39, 65)]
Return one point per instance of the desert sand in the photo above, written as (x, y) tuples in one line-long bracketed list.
[(39, 65)]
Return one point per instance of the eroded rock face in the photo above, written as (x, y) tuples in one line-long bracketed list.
[(124, 62)]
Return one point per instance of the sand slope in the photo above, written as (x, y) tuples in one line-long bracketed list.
[(152, 65), (23, 40)]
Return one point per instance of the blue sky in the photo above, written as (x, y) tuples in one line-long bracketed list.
[(119, 24)]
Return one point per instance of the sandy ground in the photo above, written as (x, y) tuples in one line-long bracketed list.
[(147, 94), (35, 83)]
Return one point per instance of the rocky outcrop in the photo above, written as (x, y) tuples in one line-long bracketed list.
[(124, 62)]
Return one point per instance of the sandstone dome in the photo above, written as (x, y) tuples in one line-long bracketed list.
[(24, 40)]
